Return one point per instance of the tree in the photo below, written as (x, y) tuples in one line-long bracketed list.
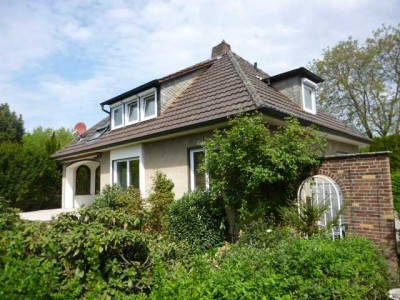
[(11, 125), (362, 82), (48, 139), (30, 179), (251, 168)]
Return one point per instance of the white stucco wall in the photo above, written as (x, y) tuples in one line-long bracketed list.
[(70, 200), (127, 152)]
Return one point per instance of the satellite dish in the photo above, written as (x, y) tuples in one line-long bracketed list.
[(80, 128)]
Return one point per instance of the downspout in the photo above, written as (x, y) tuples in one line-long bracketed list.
[(106, 111)]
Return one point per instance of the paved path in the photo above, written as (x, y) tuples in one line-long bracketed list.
[(44, 215)]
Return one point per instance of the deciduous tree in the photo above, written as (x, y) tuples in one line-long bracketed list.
[(248, 165), (362, 82)]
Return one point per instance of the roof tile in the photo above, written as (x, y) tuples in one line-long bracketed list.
[(228, 86)]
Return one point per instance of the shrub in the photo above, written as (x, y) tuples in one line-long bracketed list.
[(317, 268), (126, 201), (159, 200), (198, 219), (95, 253), (8, 216), (396, 190)]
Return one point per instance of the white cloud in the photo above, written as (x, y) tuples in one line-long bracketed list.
[(126, 43)]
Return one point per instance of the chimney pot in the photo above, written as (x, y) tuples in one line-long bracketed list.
[(220, 49)]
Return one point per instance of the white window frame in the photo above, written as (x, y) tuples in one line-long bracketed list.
[(129, 101), (192, 171), (128, 178), (142, 104), (305, 83), (332, 189), (113, 108), (140, 99)]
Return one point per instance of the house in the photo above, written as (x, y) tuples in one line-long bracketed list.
[(158, 125)]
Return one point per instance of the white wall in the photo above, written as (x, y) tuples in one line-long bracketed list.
[(127, 152), (75, 201)]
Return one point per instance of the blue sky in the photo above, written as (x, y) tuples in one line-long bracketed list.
[(60, 59)]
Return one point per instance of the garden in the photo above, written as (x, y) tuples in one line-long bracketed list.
[(244, 238)]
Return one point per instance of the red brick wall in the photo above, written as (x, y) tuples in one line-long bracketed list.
[(367, 192)]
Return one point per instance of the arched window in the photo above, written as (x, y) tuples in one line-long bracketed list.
[(322, 190), (97, 181), (82, 180)]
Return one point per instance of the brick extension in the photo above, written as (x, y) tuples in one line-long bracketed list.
[(367, 192)]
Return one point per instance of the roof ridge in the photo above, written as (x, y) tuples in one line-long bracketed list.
[(246, 81)]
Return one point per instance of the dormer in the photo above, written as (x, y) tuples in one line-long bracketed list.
[(134, 106), (299, 86)]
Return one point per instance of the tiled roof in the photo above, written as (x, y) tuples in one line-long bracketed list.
[(229, 85)]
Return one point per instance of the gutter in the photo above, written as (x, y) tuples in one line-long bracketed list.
[(270, 112)]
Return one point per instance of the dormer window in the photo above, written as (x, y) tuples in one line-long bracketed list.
[(117, 117), (132, 112), (308, 96), (134, 109), (149, 106)]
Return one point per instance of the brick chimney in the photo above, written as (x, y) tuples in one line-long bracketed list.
[(220, 49)]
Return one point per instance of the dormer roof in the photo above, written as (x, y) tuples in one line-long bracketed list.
[(300, 72)]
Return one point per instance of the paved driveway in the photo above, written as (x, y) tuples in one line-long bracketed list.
[(44, 215)]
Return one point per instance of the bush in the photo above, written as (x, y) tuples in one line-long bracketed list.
[(159, 200), (396, 190), (8, 216), (318, 268), (95, 253), (197, 219), (127, 201)]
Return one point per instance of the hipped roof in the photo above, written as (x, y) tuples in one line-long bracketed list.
[(229, 85)]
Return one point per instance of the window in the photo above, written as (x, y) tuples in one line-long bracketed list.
[(323, 190), (308, 96), (97, 182), (134, 109), (132, 112), (198, 178), (82, 180), (149, 106), (98, 133), (126, 173), (117, 117)]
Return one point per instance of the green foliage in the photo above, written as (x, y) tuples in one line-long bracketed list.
[(114, 197), (362, 82), (388, 143), (290, 269), (304, 217), (251, 167), (198, 219), (48, 139), (94, 253), (11, 126), (396, 190), (263, 233), (159, 200), (30, 180), (8, 215)]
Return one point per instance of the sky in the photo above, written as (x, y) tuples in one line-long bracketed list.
[(60, 59)]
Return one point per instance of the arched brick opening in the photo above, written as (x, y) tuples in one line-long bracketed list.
[(367, 190)]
